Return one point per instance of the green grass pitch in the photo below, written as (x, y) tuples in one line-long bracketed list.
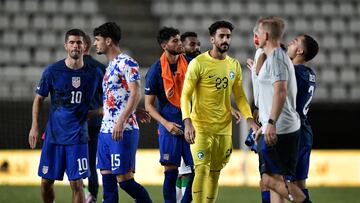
[(31, 194)]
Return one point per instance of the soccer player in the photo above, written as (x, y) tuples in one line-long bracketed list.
[(301, 50), (164, 82), (191, 44), (279, 139), (94, 124), (71, 84), (206, 110), (119, 133)]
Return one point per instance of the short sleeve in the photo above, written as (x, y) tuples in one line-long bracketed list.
[(279, 70), (43, 87), (132, 72), (152, 80)]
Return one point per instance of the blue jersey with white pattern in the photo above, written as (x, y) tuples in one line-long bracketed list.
[(71, 92), (306, 84)]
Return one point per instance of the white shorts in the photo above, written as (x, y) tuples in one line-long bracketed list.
[(183, 169)]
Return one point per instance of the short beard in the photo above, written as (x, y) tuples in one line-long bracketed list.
[(221, 50), (173, 52), (193, 54)]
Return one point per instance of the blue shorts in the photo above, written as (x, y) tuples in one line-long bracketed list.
[(173, 147), (57, 159), (117, 156), (306, 140), (282, 157)]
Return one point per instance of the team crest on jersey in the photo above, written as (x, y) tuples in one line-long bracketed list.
[(75, 82), (231, 74), (200, 155), (45, 169)]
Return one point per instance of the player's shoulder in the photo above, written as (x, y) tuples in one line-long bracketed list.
[(125, 60), (305, 72), (155, 68), (58, 65)]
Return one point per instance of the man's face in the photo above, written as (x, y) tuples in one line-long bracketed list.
[(295, 47), (100, 44), (262, 36), (192, 46), (173, 45), (221, 39), (74, 46)]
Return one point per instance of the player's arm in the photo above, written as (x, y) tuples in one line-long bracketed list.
[(171, 127), (134, 99), (34, 131), (241, 100), (278, 101), (191, 79)]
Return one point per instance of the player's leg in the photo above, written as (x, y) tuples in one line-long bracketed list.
[(265, 193), (220, 156), (179, 193), (123, 165), (77, 168), (302, 168), (47, 190), (93, 178), (187, 171), (77, 191), (110, 188), (276, 162), (170, 157), (51, 167), (201, 154)]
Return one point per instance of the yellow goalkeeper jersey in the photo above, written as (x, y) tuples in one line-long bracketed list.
[(206, 94)]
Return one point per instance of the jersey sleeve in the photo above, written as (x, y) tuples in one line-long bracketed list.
[(191, 78), (279, 71), (152, 80), (132, 72), (239, 94), (43, 87)]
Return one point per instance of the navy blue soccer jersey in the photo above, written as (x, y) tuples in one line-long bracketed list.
[(71, 92), (155, 86), (306, 84)]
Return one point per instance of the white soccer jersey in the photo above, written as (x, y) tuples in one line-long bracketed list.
[(278, 67), (258, 52)]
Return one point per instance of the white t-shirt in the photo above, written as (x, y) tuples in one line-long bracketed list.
[(278, 67), (258, 52)]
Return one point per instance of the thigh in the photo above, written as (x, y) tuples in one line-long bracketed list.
[(77, 162), (123, 152), (52, 161), (103, 152), (221, 152), (170, 147), (201, 149)]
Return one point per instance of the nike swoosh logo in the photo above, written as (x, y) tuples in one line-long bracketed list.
[(210, 76), (37, 88), (113, 169), (82, 172), (147, 88), (197, 191)]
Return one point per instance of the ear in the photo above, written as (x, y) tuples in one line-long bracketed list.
[(299, 51), (65, 46), (267, 36), (212, 39), (163, 45), (108, 41)]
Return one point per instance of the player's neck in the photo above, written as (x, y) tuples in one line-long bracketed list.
[(113, 52), (172, 59), (74, 63), (216, 54), (271, 45), (298, 61)]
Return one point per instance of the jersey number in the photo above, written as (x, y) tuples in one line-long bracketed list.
[(76, 97), (83, 164), (115, 160), (311, 92), (221, 83)]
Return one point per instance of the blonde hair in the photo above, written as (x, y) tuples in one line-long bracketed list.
[(275, 26)]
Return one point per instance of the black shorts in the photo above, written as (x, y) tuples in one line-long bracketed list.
[(282, 157)]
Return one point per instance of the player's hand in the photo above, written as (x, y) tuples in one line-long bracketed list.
[(173, 128), (33, 137), (270, 135), (249, 63), (143, 115), (189, 131), (256, 115), (236, 114), (118, 130)]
